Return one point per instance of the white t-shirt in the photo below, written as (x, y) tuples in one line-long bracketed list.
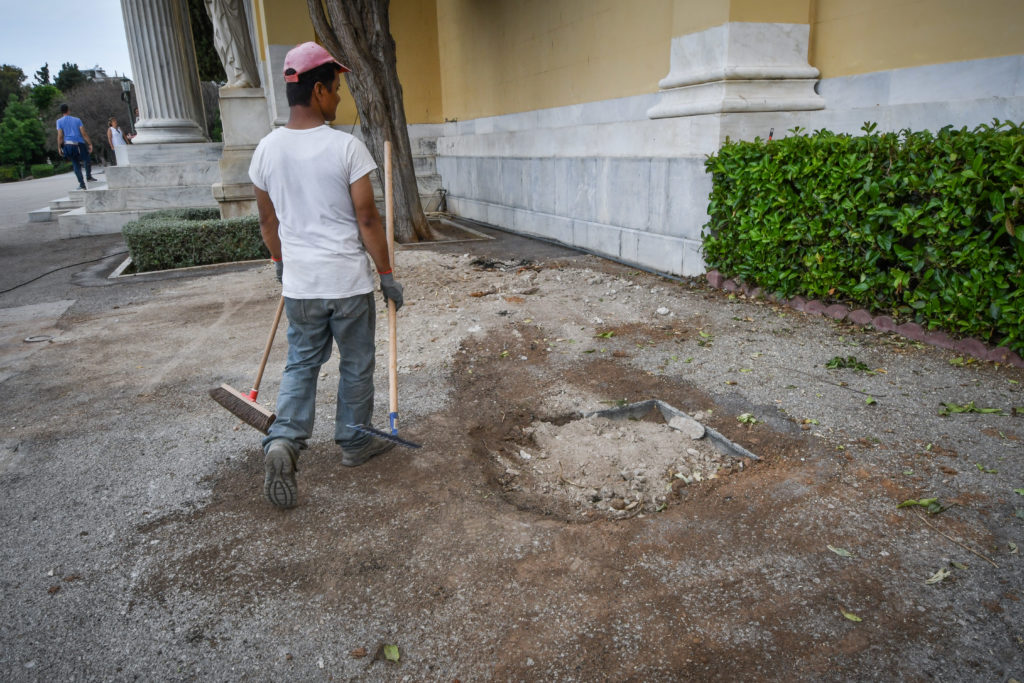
[(307, 174)]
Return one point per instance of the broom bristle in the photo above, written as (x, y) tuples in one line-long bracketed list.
[(239, 405)]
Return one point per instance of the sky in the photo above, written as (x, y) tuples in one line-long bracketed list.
[(88, 33)]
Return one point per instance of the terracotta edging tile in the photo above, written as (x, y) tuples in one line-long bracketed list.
[(883, 323)]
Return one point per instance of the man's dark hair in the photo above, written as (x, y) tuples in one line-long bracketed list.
[(64, 108), (300, 94)]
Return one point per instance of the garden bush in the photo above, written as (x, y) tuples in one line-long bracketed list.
[(179, 238), (9, 174), (924, 226), (41, 170)]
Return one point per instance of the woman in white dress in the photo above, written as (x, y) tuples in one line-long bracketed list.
[(115, 138)]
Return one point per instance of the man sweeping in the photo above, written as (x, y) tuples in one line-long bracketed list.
[(319, 221)]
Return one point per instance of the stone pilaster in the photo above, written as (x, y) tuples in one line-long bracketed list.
[(739, 67), (243, 113), (166, 76)]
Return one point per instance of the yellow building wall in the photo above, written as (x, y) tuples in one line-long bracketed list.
[(860, 36), (414, 28), (505, 56), (500, 57), (464, 59)]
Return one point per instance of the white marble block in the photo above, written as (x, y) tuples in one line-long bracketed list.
[(739, 67)]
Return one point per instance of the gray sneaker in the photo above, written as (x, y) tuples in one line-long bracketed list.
[(375, 446), (280, 465)]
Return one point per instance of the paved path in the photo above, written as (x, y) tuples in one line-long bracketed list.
[(17, 199)]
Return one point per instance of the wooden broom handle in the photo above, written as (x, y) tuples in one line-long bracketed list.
[(389, 227), (266, 349)]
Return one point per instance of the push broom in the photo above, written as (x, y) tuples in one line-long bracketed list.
[(244, 406), (389, 223)]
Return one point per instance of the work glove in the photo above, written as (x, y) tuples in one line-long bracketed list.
[(279, 270), (392, 290)]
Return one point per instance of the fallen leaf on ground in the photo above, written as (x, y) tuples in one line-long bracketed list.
[(850, 615), (391, 653), (938, 576), (951, 408), (841, 552), (358, 652)]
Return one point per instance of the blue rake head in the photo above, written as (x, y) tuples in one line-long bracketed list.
[(392, 436)]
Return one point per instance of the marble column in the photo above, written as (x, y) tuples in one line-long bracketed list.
[(165, 72)]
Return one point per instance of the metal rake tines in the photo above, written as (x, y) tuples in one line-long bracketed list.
[(394, 438)]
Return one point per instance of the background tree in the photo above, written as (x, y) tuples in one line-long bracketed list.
[(11, 79), (210, 68), (44, 97), (43, 75), (22, 140), (94, 102), (358, 32), (69, 77)]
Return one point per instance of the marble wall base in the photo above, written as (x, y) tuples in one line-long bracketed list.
[(605, 177)]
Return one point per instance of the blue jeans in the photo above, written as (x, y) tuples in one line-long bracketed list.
[(83, 149), (313, 324), (73, 153)]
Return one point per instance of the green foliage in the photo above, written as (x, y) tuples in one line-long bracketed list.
[(179, 238), (11, 79), (926, 226), (41, 170), (22, 138), (69, 77), (9, 174), (210, 68), (44, 96), (43, 75)]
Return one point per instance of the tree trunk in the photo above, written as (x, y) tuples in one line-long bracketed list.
[(358, 33)]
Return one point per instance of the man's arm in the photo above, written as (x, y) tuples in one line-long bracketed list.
[(60, 141), (268, 223), (370, 227)]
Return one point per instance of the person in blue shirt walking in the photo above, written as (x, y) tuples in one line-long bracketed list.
[(73, 143)]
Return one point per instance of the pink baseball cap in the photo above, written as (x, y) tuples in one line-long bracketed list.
[(304, 57)]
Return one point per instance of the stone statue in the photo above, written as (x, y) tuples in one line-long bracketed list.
[(231, 38)]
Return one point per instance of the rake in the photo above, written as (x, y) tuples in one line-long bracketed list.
[(389, 221), (244, 406)]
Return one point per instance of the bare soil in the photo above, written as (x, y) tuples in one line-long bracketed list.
[(523, 541)]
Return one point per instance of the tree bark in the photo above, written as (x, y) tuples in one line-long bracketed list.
[(358, 33)]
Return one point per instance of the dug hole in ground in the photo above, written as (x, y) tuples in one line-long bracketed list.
[(523, 541)]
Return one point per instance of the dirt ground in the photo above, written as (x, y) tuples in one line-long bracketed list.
[(522, 542)]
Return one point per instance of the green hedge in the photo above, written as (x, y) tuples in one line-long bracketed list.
[(927, 227), (9, 174), (179, 238), (41, 170)]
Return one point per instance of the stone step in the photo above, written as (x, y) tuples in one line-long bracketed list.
[(424, 165), (77, 222), (164, 175), (427, 184), (67, 203), (42, 215), (148, 198), (148, 155), (426, 146)]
